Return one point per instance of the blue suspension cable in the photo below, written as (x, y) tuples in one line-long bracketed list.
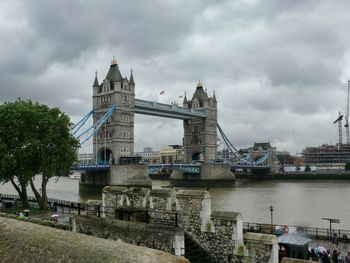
[(101, 122), (82, 122)]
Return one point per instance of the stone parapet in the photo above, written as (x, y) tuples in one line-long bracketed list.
[(261, 248), (294, 260)]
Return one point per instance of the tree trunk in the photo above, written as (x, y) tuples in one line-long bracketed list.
[(22, 192), (36, 193), (41, 198), (43, 202)]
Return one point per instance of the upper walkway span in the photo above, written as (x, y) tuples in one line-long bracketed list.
[(167, 110)]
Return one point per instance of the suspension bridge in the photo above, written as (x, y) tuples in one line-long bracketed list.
[(112, 131)]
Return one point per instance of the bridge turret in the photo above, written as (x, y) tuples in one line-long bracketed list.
[(95, 86), (200, 134), (116, 138), (185, 102)]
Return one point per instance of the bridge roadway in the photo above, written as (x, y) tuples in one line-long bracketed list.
[(154, 168)]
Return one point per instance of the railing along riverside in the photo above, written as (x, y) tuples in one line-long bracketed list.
[(170, 218), (312, 232)]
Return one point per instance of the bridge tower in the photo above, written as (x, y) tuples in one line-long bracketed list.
[(200, 134), (116, 138)]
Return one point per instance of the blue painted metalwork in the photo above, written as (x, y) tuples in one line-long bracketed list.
[(189, 168), (81, 122), (91, 167), (97, 126), (231, 147), (234, 166), (166, 110), (244, 161)]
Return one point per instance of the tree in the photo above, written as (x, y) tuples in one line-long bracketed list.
[(34, 139), (347, 166)]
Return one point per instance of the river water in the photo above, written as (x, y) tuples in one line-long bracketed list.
[(295, 202)]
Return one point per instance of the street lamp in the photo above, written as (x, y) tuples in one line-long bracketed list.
[(271, 211)]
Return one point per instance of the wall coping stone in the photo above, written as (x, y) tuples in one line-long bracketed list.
[(93, 202), (294, 260), (261, 238), (114, 189), (226, 215), (128, 190), (161, 192), (196, 194)]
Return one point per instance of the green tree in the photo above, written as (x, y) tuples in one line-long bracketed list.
[(347, 166), (34, 139), (307, 168)]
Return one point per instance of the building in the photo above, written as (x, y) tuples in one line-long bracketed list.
[(85, 158), (172, 154), (168, 154), (334, 155), (149, 156)]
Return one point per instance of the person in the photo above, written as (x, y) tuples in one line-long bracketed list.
[(334, 256), (324, 257), (347, 258)]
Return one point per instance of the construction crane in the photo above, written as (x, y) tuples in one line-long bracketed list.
[(347, 117), (338, 120)]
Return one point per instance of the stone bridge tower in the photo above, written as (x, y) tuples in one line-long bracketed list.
[(116, 137), (200, 134)]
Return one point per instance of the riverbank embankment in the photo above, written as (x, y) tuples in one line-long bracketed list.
[(341, 175)]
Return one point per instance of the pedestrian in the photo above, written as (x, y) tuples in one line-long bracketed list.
[(347, 258), (335, 256)]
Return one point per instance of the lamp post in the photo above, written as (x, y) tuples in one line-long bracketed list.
[(271, 211)]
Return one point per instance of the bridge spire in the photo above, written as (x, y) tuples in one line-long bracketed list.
[(96, 80), (185, 99), (131, 80), (214, 97)]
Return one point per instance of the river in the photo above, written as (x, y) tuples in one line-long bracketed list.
[(295, 202)]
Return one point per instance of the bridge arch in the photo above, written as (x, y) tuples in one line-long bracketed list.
[(105, 156), (197, 156)]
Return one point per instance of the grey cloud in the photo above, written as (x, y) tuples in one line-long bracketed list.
[(275, 65)]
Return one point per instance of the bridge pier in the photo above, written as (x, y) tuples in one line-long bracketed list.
[(135, 175), (93, 181), (211, 175), (132, 175)]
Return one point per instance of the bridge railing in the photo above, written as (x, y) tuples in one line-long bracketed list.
[(168, 107)]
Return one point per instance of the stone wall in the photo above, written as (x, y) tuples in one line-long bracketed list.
[(216, 231), (32, 243), (137, 233), (219, 233), (260, 248)]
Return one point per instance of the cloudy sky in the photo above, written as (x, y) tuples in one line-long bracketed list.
[(279, 68)]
